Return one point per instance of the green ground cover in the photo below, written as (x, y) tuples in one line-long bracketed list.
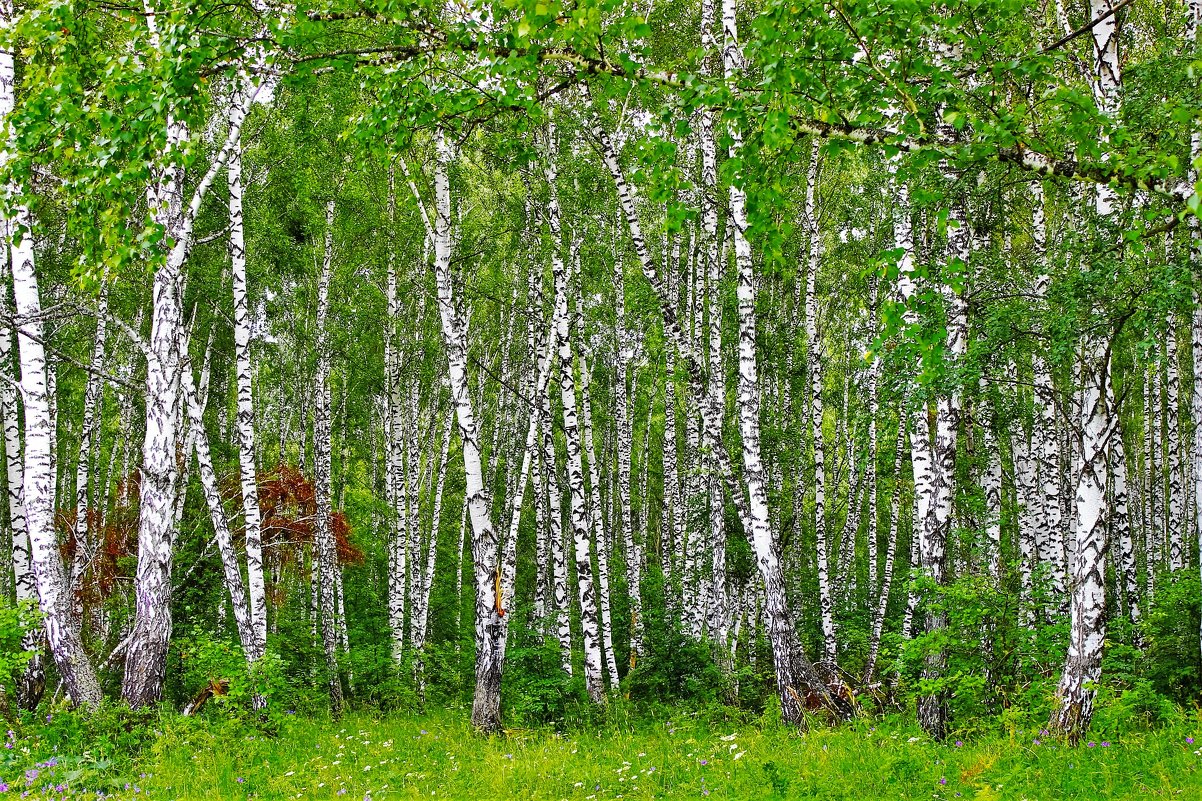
[(437, 756)]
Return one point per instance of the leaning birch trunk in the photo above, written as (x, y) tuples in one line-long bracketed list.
[(221, 530), (572, 435), (256, 587), (61, 627), (794, 672), (427, 584), (36, 538), (327, 555), (786, 648), (508, 571)]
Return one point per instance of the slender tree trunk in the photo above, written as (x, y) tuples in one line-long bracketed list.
[(624, 437), (814, 355), (600, 540), (33, 681), (1087, 622), (572, 435), (1176, 496), (50, 577), (327, 555), (256, 586), (1193, 27), (221, 530), (878, 618), (489, 626), (93, 394), (794, 672)]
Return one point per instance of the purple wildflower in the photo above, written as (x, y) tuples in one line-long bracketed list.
[(31, 774), (959, 743), (239, 780), (1090, 745), (705, 762), (425, 732), (1189, 740), (943, 780), (1105, 744), (1035, 742), (3, 787)]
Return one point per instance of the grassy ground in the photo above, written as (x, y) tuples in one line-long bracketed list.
[(437, 757)]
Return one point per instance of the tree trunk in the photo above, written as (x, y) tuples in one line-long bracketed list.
[(794, 673), (327, 554), (62, 629), (256, 586), (572, 435), (93, 395)]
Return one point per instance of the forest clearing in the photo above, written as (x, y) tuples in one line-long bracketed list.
[(801, 400)]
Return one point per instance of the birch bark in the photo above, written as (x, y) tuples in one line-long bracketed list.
[(327, 555)]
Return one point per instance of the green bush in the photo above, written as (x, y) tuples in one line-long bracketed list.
[(1173, 661)]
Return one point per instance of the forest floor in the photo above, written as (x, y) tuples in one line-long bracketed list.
[(436, 756)]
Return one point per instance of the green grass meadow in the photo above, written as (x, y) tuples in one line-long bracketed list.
[(437, 756)]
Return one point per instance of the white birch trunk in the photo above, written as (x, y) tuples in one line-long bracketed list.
[(1175, 500), (1087, 623), (794, 673), (326, 550), (232, 572), (256, 587), (572, 435), (36, 538), (882, 601), (33, 681), (600, 540), (53, 588), (85, 547), (624, 438), (814, 356), (146, 654)]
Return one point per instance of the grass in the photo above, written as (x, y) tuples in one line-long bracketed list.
[(437, 756)]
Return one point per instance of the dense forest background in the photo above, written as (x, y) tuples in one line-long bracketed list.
[(799, 358)]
